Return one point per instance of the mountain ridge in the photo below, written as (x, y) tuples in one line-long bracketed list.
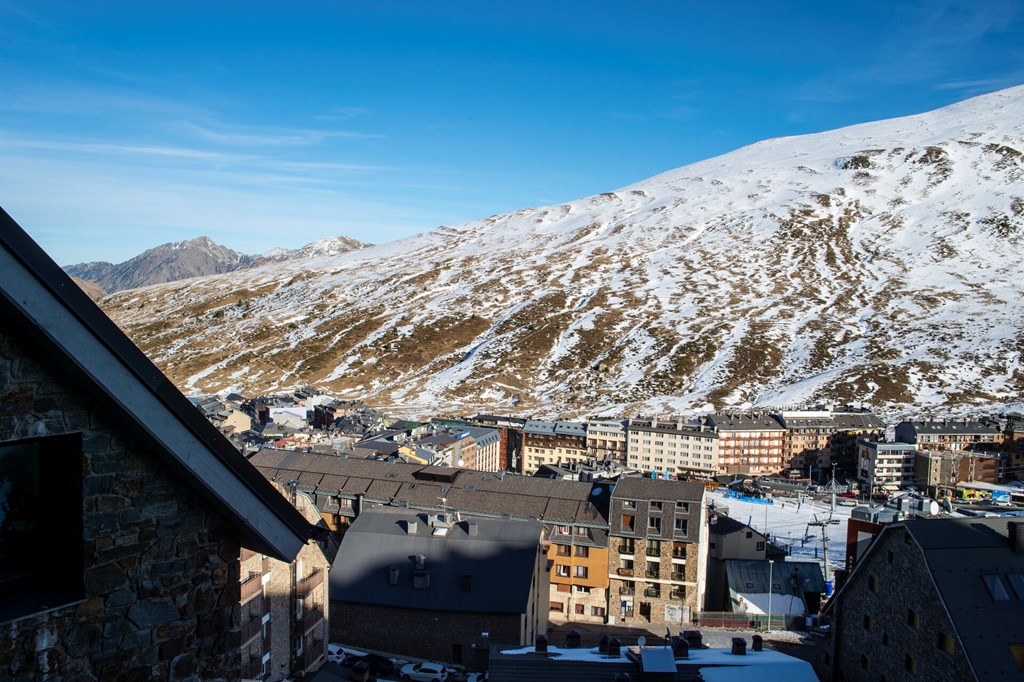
[(877, 263), (198, 257)]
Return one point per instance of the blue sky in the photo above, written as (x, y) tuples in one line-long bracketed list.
[(128, 125)]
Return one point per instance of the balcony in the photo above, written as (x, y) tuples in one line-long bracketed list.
[(627, 591), (312, 651), (252, 668), (625, 571), (312, 618), (251, 629), (652, 592), (309, 583), (251, 586), (679, 576), (652, 573)]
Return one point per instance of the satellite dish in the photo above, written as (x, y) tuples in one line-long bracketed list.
[(641, 640), (595, 492)]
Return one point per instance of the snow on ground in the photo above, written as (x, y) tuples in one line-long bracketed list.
[(718, 665), (786, 521)]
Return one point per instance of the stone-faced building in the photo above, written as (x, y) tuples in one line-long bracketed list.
[(818, 438), (124, 509), (429, 585), (285, 622), (932, 599), (657, 551)]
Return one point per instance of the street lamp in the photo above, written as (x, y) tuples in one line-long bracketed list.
[(771, 571)]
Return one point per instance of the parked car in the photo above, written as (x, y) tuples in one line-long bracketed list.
[(337, 653), (425, 672), (378, 664)]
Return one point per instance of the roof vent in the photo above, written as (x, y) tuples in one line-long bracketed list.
[(421, 579), (411, 527), (541, 644), (393, 575), (1015, 532), (472, 528)]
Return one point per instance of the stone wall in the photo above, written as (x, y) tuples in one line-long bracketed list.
[(161, 568), (872, 635)]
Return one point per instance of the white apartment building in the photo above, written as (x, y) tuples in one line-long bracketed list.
[(671, 447), (886, 465)]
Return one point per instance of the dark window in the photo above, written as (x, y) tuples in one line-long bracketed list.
[(909, 664), (760, 546), (41, 557), (681, 526), (865, 662), (581, 609), (891, 556), (945, 643), (872, 583), (562, 550), (582, 551), (556, 606), (867, 622), (627, 522), (913, 619)]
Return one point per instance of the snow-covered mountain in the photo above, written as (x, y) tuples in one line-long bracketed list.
[(879, 263), (193, 258)]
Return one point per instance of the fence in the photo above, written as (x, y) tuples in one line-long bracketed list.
[(748, 621)]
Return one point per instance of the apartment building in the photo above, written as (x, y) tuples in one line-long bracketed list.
[(886, 466), (547, 442), (657, 551), (578, 556), (951, 434), (749, 443), (818, 438), (284, 606), (672, 448), (606, 440)]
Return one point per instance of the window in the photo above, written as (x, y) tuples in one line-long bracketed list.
[(556, 606), (580, 530), (626, 564), (867, 622), (913, 619), (562, 550), (598, 611), (654, 524), (582, 589), (997, 587), (872, 583), (581, 609), (681, 526), (865, 662), (627, 522), (891, 556), (760, 546), (679, 550), (564, 588), (564, 530), (582, 551), (654, 548), (682, 506), (945, 643), (656, 505), (581, 571), (909, 664), (626, 546), (628, 504), (562, 570), (38, 573)]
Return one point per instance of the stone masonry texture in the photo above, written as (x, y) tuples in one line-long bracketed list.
[(160, 566)]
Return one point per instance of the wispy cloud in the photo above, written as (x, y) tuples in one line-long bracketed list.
[(247, 135), (342, 114)]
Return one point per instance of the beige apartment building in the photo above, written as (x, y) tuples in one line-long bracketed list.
[(749, 443), (672, 447), (606, 439)]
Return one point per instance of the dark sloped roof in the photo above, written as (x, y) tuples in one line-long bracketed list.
[(642, 488), (751, 575), (500, 562), (40, 297)]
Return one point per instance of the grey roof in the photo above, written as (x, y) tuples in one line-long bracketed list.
[(642, 488), (489, 572), (480, 492), (751, 576), (959, 555), (949, 427), (745, 421), (726, 525)]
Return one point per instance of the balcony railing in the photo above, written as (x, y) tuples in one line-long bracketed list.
[(627, 590), (624, 571), (251, 629), (652, 573), (252, 586), (312, 618), (252, 669), (312, 651), (652, 592), (681, 577), (309, 583)]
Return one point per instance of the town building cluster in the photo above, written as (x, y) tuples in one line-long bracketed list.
[(237, 540)]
